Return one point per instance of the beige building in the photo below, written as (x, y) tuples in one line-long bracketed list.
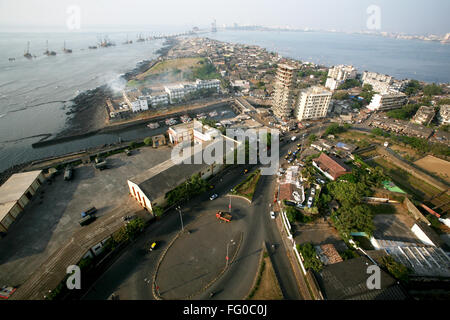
[(15, 194), (283, 96), (387, 101), (380, 83), (424, 115), (444, 114), (313, 103)]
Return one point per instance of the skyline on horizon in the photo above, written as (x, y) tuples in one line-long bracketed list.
[(402, 16)]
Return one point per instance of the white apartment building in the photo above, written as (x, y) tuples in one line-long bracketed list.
[(444, 114), (342, 72), (338, 74), (387, 101), (158, 99), (208, 84), (135, 101), (424, 115), (380, 83), (332, 84), (283, 96), (178, 91), (313, 103)]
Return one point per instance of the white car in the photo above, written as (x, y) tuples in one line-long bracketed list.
[(214, 196), (310, 201), (272, 215)]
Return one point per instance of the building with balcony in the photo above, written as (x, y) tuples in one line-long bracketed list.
[(387, 101), (283, 96), (444, 114), (313, 103), (424, 115)]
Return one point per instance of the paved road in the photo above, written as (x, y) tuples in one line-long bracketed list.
[(127, 275)]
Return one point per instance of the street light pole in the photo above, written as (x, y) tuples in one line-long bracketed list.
[(181, 217), (227, 258)]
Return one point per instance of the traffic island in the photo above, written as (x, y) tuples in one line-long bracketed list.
[(193, 261)]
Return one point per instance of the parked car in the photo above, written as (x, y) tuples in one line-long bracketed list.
[(128, 152), (68, 173), (310, 201), (214, 196), (153, 246), (272, 215)]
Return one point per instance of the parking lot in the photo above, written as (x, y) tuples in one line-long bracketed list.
[(53, 214)]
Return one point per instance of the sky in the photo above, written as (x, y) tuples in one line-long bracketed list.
[(408, 16)]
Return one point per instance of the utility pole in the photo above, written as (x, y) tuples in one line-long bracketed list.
[(227, 258), (181, 217)]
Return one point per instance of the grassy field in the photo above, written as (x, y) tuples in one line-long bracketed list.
[(168, 71), (268, 287), (436, 166), (247, 187), (418, 188)]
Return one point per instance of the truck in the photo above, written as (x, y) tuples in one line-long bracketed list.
[(68, 173), (87, 219), (293, 138), (101, 165), (89, 212), (225, 216)]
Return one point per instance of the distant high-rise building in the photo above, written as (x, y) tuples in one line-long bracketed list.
[(313, 103), (387, 101), (283, 96), (214, 26), (338, 74)]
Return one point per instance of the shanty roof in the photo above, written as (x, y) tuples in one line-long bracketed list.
[(347, 280), (14, 188), (331, 165)]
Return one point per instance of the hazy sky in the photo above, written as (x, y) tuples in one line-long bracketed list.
[(410, 16)]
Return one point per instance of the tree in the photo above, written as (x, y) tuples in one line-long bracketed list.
[(356, 218), (340, 95), (396, 269), (367, 92), (412, 87), (335, 129), (349, 83), (312, 138), (309, 255), (404, 113), (432, 90), (148, 141)]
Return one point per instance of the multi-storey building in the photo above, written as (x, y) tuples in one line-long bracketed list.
[(158, 99), (387, 101), (283, 96), (135, 101), (444, 114), (424, 115), (313, 103), (208, 84), (178, 91), (338, 74), (380, 83)]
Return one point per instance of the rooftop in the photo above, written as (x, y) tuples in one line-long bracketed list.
[(14, 188)]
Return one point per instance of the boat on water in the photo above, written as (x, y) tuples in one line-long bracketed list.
[(65, 49), (224, 112), (153, 125), (213, 114), (92, 47), (27, 53), (48, 52)]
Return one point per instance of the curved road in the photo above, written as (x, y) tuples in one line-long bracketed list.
[(130, 276)]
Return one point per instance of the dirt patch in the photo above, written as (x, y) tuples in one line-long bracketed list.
[(269, 288), (435, 165)]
